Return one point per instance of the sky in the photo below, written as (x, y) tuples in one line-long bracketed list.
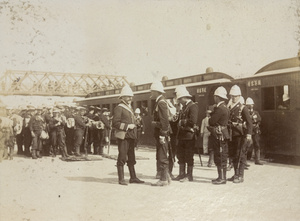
[(146, 39)]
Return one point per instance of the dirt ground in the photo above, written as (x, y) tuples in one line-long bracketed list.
[(52, 189)]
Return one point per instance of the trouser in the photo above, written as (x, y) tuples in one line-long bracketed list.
[(98, 139), (78, 138), (20, 141), (90, 139), (210, 150), (162, 158), (205, 142), (256, 146), (53, 141), (126, 152), (238, 147), (27, 139), (185, 152), (69, 139), (61, 140), (220, 152), (172, 151), (37, 142)]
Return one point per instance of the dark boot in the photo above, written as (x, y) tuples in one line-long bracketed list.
[(219, 175), (257, 158), (34, 154), (121, 175), (222, 176), (38, 154), (190, 173), (100, 150), (133, 178), (181, 172)]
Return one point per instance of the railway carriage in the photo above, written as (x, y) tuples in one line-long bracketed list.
[(268, 87)]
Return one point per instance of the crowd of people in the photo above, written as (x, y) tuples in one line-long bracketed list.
[(230, 130), (51, 130)]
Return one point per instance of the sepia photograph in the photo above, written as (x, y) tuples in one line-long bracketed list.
[(169, 110)]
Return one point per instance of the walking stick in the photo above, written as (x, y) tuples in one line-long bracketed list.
[(86, 140)]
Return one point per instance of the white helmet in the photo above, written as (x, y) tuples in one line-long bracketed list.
[(221, 92), (126, 91), (179, 87), (285, 97), (157, 86), (137, 111), (235, 91), (249, 101), (182, 92)]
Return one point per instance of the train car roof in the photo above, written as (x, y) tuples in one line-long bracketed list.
[(290, 63)]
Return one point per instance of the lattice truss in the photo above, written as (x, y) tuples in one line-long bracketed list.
[(60, 84)]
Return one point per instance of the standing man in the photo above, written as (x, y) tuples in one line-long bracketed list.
[(79, 128), (218, 123), (126, 134), (256, 119), (241, 135), (205, 132), (69, 128), (26, 130), (161, 132), (37, 124), (186, 135)]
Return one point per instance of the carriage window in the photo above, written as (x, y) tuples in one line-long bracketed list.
[(283, 97), (268, 101)]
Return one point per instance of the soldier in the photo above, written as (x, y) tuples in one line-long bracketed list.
[(17, 129), (6, 132), (26, 130), (37, 124), (57, 124), (126, 134), (69, 128), (256, 119), (218, 123), (139, 125), (186, 135), (79, 128), (90, 139), (161, 133), (241, 136)]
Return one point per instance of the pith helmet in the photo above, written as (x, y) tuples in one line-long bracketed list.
[(221, 92), (157, 86), (235, 91), (137, 111), (182, 92), (249, 101), (179, 87), (126, 91)]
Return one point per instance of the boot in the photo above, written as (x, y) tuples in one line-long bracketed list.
[(211, 159), (190, 173), (121, 175), (222, 173), (133, 178), (163, 180), (219, 175), (100, 150), (34, 154), (257, 158), (181, 172), (38, 154)]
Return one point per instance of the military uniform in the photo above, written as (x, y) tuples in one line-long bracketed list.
[(240, 126), (27, 133), (218, 139), (98, 133), (122, 118), (256, 119), (69, 130), (79, 128), (36, 125), (161, 129), (186, 139)]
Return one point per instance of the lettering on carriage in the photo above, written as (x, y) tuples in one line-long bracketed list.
[(201, 90), (254, 83)]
